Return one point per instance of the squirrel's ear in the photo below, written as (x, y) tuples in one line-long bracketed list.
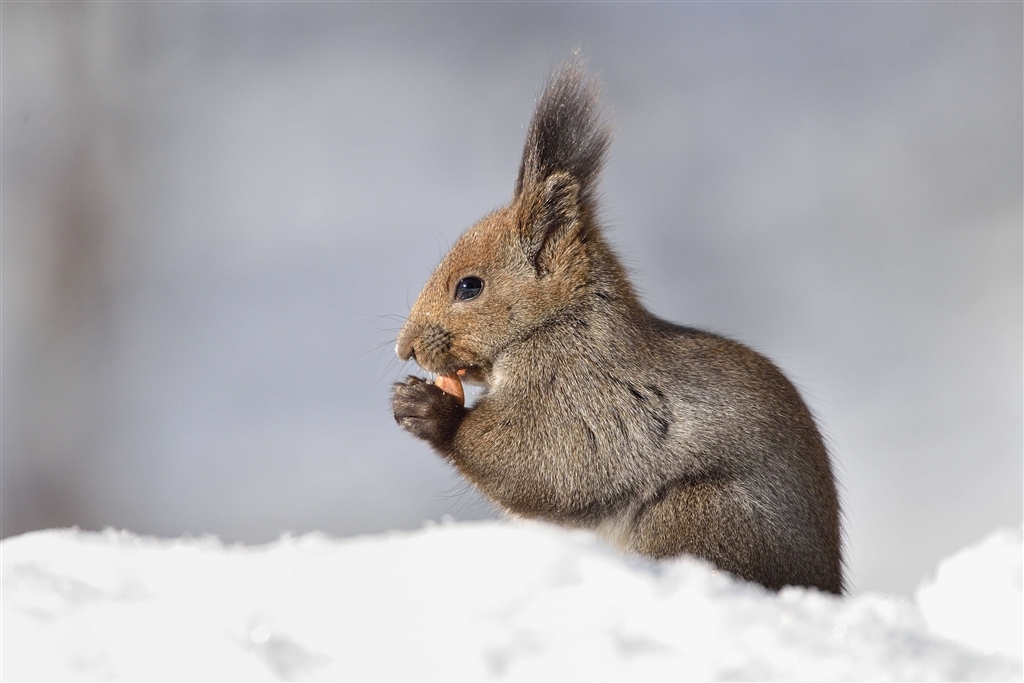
[(567, 133), (555, 219), (564, 152)]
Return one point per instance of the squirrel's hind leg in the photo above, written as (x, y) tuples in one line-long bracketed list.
[(715, 521)]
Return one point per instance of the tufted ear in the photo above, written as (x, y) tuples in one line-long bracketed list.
[(556, 220), (567, 132), (563, 154)]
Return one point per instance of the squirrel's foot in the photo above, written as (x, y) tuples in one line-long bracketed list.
[(425, 411)]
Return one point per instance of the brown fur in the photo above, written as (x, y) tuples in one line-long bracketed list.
[(597, 414)]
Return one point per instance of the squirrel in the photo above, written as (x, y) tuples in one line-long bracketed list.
[(597, 414)]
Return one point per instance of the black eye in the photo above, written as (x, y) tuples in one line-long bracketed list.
[(468, 288)]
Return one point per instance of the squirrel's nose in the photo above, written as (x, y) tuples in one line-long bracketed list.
[(404, 347)]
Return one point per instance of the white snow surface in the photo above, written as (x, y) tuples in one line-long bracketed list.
[(477, 601)]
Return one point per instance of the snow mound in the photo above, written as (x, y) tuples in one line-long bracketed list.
[(976, 595), (476, 601)]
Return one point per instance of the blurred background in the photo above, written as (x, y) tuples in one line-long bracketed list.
[(216, 215)]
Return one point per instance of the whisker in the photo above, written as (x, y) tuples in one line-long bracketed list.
[(375, 347), (448, 245), (400, 318)]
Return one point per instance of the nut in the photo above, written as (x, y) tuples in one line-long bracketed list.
[(452, 385)]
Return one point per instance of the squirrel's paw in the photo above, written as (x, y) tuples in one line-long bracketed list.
[(425, 411)]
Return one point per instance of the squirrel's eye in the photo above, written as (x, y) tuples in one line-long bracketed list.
[(468, 288)]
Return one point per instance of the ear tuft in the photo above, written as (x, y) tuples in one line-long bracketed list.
[(567, 134)]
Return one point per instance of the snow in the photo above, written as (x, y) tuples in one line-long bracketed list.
[(976, 596), (477, 601)]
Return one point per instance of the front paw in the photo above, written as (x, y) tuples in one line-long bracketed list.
[(425, 411)]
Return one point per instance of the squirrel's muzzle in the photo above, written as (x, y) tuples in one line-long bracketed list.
[(404, 347), (429, 345)]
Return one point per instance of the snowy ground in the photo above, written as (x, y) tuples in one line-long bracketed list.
[(477, 601)]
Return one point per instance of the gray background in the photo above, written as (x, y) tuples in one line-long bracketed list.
[(215, 216)]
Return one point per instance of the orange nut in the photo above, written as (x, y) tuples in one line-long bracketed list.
[(451, 384)]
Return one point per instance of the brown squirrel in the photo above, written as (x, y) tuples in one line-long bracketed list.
[(596, 413)]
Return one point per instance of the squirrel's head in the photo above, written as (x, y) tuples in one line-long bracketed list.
[(528, 262)]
